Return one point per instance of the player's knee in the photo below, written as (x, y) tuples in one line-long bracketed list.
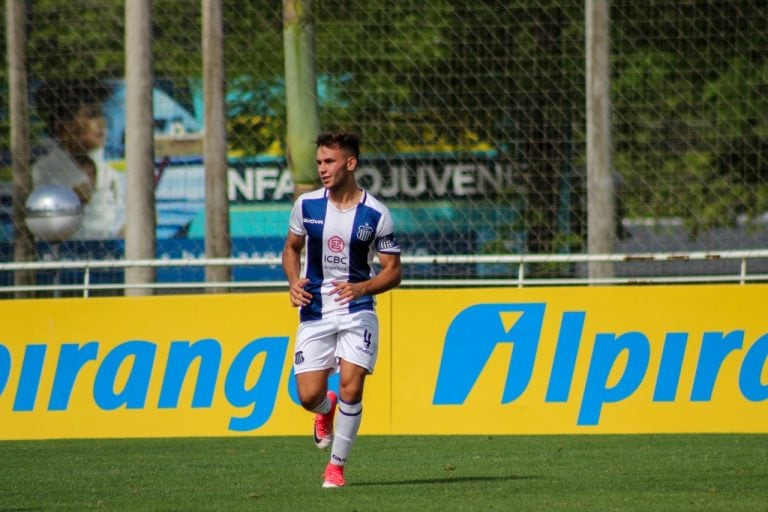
[(351, 393), (309, 405), (311, 401)]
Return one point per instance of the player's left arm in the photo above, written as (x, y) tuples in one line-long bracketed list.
[(389, 277)]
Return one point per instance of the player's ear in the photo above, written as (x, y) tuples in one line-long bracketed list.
[(351, 163)]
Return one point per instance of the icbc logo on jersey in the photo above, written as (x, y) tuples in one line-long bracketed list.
[(335, 243)]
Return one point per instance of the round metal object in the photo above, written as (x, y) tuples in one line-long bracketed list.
[(53, 213)]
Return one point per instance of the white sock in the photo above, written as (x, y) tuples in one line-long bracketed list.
[(345, 432), (324, 406)]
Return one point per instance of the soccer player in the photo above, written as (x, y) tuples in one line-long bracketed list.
[(340, 225)]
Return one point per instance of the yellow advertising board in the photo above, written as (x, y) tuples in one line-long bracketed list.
[(581, 360), (209, 365), (465, 361)]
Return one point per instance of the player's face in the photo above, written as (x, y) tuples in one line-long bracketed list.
[(335, 167)]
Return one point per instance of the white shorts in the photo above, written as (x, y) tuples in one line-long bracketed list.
[(353, 337)]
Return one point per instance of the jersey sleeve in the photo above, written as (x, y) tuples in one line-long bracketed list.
[(296, 222), (385, 235)]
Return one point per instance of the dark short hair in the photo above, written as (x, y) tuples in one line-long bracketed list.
[(346, 141), (59, 100)]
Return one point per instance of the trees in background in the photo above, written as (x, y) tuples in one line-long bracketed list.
[(689, 87)]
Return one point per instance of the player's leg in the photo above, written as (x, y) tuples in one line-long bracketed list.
[(350, 415), (314, 360), (312, 387), (357, 349), (350, 410), (313, 393)]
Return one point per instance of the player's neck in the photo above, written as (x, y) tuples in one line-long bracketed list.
[(346, 198)]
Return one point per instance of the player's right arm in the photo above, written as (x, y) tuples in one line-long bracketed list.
[(291, 258)]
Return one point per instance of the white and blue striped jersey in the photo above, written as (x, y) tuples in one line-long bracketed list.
[(339, 246)]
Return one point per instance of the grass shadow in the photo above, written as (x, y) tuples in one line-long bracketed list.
[(429, 481)]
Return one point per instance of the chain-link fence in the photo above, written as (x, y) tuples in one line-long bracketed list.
[(471, 113)]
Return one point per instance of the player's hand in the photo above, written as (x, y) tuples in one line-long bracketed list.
[(84, 192), (298, 295), (347, 292)]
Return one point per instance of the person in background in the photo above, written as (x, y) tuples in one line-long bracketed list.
[(74, 155), (342, 226)]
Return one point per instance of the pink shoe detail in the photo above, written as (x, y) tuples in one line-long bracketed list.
[(324, 424), (334, 476)]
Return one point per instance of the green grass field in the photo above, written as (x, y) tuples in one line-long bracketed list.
[(638, 472)]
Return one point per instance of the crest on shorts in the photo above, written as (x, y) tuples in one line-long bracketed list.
[(298, 358)]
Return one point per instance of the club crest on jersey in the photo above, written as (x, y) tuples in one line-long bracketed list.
[(364, 233), (336, 243)]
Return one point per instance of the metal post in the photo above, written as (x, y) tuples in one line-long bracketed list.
[(601, 203), (139, 145), (217, 238), (18, 89), (300, 93)]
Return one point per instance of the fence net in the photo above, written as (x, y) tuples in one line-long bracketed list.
[(471, 114)]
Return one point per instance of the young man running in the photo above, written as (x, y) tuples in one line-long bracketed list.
[(341, 226)]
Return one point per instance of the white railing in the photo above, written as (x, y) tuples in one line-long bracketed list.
[(741, 276)]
